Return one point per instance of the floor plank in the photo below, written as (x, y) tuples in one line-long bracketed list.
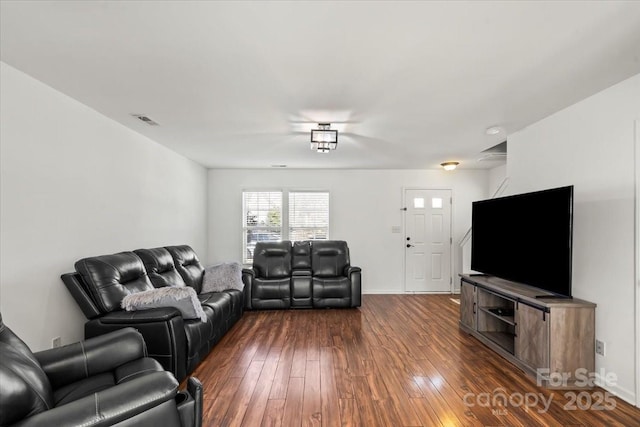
[(399, 360), (328, 392), (292, 415), (312, 400), (259, 399)]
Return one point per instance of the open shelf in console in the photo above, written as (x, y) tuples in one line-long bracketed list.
[(496, 319), (505, 315), (506, 340)]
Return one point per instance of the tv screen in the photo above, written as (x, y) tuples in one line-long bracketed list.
[(525, 238)]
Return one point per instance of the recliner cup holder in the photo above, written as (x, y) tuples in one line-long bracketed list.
[(189, 414), (182, 397)]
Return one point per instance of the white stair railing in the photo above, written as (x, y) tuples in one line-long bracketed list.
[(465, 248), (498, 192)]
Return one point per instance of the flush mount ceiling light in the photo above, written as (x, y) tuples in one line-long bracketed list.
[(493, 130), (324, 139), (449, 166)]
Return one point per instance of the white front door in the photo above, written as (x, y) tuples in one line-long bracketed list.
[(428, 240)]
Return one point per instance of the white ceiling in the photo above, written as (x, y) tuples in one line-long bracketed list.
[(408, 84)]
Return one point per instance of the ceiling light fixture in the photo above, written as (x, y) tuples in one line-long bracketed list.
[(324, 139), (449, 166), (493, 130)]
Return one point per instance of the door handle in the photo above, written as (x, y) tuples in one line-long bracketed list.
[(409, 246)]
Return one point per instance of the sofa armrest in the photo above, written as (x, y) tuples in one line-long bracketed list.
[(113, 405), (249, 272), (354, 274), (74, 284), (190, 404), (248, 275), (349, 270), (194, 386), (74, 362), (123, 317), (162, 329)]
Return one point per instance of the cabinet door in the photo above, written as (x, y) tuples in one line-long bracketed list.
[(532, 336), (572, 340), (468, 305)]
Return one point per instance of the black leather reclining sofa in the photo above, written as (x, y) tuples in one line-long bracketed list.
[(100, 283), (103, 381), (307, 274)]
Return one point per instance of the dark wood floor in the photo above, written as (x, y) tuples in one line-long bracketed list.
[(399, 360)]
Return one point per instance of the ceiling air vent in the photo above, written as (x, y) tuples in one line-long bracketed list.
[(145, 119)]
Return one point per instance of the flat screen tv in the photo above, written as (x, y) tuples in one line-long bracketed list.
[(525, 238)]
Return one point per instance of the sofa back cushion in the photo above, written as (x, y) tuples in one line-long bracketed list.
[(160, 267), (188, 265), (329, 258), (24, 388), (109, 278), (272, 260), (301, 256)]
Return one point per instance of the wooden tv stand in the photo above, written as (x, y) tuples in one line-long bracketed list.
[(537, 334)]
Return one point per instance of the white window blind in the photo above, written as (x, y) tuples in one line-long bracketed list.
[(308, 215), (269, 216), (262, 219)]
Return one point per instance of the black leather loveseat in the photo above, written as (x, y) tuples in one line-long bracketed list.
[(100, 283), (103, 381), (307, 274)]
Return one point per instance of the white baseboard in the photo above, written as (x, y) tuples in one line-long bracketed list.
[(384, 292), (396, 292), (622, 393), (428, 293), (619, 392)]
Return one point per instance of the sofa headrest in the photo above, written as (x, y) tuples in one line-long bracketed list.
[(109, 278), (157, 260), (272, 260), (329, 247), (24, 387), (269, 249), (183, 255), (329, 258), (301, 256), (275, 252), (328, 252), (160, 267), (188, 265), (8, 337)]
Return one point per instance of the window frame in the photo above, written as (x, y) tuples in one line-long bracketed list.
[(284, 214)]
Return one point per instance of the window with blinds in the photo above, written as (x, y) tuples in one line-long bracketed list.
[(262, 220), (283, 215), (308, 215)]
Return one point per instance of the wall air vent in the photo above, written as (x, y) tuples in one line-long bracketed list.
[(492, 156), (495, 153), (145, 119)]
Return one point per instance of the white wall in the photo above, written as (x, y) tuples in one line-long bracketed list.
[(591, 146), (364, 205), (76, 184)]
